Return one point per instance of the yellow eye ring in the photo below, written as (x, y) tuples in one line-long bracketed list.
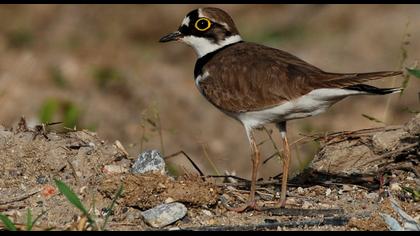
[(203, 29)]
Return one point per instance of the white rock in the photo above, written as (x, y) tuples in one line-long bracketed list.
[(300, 190), (328, 192), (164, 214)]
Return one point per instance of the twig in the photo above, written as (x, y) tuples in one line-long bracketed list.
[(20, 198), (189, 159), (303, 212), (206, 155), (335, 221)]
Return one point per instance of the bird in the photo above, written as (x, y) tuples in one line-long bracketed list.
[(258, 85)]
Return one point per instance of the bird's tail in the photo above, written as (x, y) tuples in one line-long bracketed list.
[(368, 89), (345, 80)]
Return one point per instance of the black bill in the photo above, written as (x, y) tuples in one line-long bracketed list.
[(171, 37)]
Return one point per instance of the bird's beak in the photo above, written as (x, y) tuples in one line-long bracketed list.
[(171, 37)]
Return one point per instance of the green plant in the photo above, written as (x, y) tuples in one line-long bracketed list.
[(9, 225), (52, 108), (105, 75), (414, 72), (75, 201), (20, 38), (48, 109), (71, 114)]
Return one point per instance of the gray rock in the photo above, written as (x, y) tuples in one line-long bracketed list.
[(164, 214), (387, 141), (150, 160), (413, 126)]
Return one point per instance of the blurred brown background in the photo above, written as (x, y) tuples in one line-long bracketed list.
[(100, 67)]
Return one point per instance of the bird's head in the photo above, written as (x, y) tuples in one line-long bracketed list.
[(205, 30)]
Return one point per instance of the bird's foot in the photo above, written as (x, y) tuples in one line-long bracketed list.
[(282, 203), (252, 205)]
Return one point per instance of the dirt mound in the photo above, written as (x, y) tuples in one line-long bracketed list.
[(32, 159)]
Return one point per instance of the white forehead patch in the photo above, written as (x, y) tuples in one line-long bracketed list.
[(200, 13), (186, 21)]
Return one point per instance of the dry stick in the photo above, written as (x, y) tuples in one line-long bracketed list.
[(189, 159), (291, 145), (206, 155), (391, 153), (20, 198), (394, 80), (335, 221), (303, 212), (160, 133)]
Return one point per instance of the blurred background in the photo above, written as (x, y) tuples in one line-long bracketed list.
[(100, 67)]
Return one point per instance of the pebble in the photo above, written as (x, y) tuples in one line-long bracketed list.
[(150, 160), (164, 214), (409, 178), (300, 190), (306, 205), (347, 188), (328, 192), (395, 187), (207, 212), (114, 169), (372, 195), (41, 179), (169, 200)]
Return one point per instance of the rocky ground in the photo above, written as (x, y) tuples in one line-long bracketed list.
[(354, 179)]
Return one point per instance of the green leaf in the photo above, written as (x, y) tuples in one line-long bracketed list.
[(48, 109), (34, 221), (71, 115), (117, 195), (7, 223), (414, 72), (71, 196), (29, 220)]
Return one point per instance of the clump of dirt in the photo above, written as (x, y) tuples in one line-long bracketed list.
[(148, 190)]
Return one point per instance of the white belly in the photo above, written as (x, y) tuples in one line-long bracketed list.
[(311, 104)]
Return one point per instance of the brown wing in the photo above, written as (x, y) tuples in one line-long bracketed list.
[(253, 77)]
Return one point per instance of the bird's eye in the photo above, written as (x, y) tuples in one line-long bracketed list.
[(202, 24)]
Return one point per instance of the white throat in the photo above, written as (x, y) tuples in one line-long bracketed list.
[(203, 46)]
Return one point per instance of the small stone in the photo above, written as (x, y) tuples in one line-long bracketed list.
[(347, 188), (207, 212), (372, 195), (328, 192), (132, 214), (306, 205), (164, 214), (169, 200), (409, 178), (41, 179), (114, 169), (290, 201), (324, 205), (150, 160), (300, 190), (395, 187), (340, 191)]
